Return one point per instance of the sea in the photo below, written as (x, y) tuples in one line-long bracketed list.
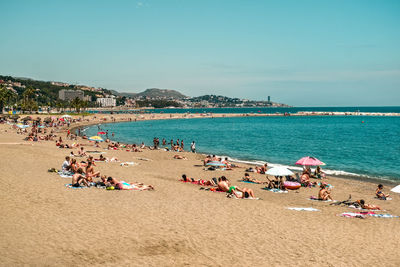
[(354, 146)]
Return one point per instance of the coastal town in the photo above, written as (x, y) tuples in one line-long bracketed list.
[(20, 94)]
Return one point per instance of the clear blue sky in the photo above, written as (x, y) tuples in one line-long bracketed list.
[(300, 52)]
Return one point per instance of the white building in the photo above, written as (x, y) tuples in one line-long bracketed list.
[(107, 102)]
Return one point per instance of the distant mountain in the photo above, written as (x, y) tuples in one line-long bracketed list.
[(154, 93)]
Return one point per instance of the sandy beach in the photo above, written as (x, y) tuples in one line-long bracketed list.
[(45, 223)]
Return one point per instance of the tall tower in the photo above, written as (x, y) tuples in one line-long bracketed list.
[(269, 99)]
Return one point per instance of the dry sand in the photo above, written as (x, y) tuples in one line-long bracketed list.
[(44, 223)]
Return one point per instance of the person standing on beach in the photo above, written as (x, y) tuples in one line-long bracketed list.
[(193, 147), (182, 145), (107, 133), (172, 145)]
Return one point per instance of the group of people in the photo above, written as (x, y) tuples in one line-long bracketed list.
[(222, 184), (84, 174)]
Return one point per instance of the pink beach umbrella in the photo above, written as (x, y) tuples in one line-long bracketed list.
[(309, 161)]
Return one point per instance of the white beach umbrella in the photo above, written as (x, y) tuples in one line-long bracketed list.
[(396, 189), (279, 171), (66, 116)]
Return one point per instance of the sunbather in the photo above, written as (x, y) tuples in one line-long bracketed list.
[(379, 193), (66, 166), (278, 183), (324, 194), (262, 169), (78, 179), (318, 173), (90, 173), (247, 178), (199, 181), (121, 185), (367, 206), (225, 186), (246, 193), (179, 157)]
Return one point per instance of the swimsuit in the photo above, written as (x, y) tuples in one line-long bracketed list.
[(231, 188)]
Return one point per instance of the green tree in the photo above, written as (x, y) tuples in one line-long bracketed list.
[(7, 98), (28, 100), (77, 104)]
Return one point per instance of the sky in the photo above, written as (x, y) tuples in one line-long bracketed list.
[(299, 52)]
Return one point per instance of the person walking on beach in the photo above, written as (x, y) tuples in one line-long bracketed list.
[(182, 145), (193, 147)]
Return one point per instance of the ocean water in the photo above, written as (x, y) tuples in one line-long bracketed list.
[(263, 110), (349, 145)]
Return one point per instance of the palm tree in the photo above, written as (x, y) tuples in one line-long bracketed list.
[(28, 103), (6, 98), (77, 104)]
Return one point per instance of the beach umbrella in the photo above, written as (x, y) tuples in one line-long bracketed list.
[(101, 133), (215, 164), (66, 116), (279, 171), (96, 138), (396, 189), (22, 126), (309, 161)]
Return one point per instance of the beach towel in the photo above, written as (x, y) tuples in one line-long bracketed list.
[(249, 182), (387, 198), (359, 208), (314, 198), (275, 190), (302, 209), (65, 174), (383, 215), (96, 152), (352, 215), (234, 197), (128, 163), (72, 187)]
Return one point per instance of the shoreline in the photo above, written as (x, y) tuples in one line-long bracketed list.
[(357, 177)]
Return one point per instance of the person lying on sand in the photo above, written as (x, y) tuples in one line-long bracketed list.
[(121, 185), (78, 179), (367, 206), (101, 158), (247, 178), (324, 194), (81, 152), (179, 157), (246, 193), (211, 182), (379, 193)]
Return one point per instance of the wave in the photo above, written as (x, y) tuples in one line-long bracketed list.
[(329, 172)]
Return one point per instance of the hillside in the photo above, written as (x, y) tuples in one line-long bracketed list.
[(157, 93)]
